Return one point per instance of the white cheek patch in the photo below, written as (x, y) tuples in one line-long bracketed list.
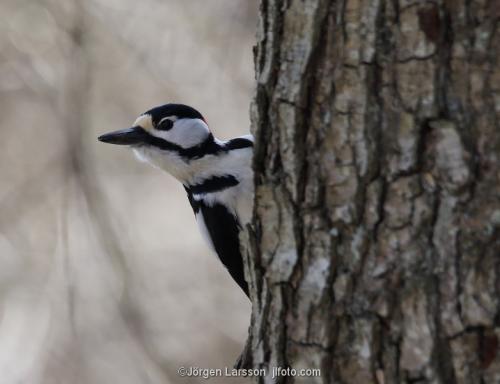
[(185, 133)]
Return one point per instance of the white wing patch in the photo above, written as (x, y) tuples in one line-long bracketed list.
[(204, 231)]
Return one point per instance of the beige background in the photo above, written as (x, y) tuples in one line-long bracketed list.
[(104, 277)]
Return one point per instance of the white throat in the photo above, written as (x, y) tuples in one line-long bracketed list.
[(167, 161), (193, 171)]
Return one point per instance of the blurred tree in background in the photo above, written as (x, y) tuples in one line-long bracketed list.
[(103, 275), (376, 246)]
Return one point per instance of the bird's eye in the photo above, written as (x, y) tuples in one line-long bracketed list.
[(165, 125)]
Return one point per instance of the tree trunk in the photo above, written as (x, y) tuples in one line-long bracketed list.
[(375, 248)]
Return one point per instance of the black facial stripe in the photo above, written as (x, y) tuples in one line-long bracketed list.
[(213, 184), (161, 143), (207, 147)]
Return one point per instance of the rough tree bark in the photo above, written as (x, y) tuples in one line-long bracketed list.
[(375, 247)]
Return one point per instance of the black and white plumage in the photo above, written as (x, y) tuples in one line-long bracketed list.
[(217, 175)]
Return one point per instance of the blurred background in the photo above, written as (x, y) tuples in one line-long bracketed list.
[(104, 277)]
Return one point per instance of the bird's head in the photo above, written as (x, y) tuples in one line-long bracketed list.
[(169, 137)]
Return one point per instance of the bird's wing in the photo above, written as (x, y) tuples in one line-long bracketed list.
[(221, 230)]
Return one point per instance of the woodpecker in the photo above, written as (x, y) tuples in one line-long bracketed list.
[(217, 175)]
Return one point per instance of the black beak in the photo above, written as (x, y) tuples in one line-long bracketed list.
[(129, 136)]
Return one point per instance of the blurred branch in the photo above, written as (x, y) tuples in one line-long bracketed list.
[(75, 118), (35, 189)]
